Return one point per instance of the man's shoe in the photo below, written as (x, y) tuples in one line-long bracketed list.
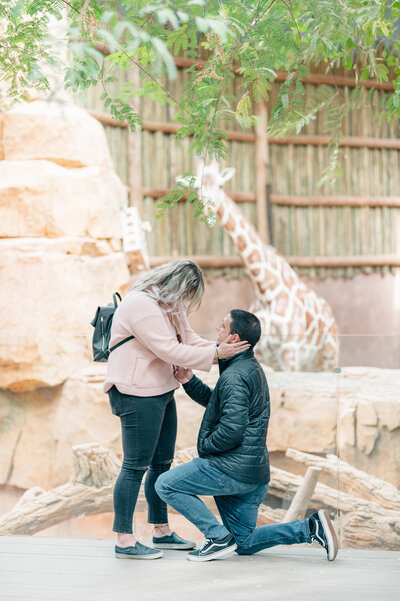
[(137, 551), (323, 533), (172, 541), (213, 548)]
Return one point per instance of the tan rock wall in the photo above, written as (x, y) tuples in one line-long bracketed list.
[(60, 241), (39, 428), (53, 288), (62, 133), (42, 199)]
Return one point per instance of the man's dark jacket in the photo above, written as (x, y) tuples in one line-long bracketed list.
[(234, 428)]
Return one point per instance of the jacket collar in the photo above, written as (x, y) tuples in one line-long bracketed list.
[(224, 363)]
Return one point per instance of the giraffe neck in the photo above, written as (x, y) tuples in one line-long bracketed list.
[(266, 269)]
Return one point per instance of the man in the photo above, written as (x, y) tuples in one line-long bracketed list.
[(233, 464)]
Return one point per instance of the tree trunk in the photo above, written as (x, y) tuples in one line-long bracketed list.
[(89, 491), (357, 482)]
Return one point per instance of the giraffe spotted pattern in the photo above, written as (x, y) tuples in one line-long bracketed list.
[(299, 329)]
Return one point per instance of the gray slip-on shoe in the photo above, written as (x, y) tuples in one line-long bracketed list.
[(172, 541), (137, 551)]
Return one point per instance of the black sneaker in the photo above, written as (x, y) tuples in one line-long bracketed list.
[(213, 548), (323, 533)]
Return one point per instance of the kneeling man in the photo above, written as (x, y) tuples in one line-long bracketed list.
[(233, 464)]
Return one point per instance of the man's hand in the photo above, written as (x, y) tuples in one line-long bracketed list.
[(182, 374)]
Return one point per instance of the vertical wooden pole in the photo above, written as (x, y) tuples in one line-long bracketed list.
[(262, 170), (301, 499), (135, 152), (136, 259)]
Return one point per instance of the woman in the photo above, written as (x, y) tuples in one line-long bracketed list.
[(141, 384)]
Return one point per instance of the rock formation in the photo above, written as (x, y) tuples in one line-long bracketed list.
[(60, 241), (305, 408)]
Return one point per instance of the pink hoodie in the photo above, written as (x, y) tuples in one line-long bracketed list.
[(143, 366)]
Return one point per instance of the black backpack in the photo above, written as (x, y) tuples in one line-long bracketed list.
[(102, 331)]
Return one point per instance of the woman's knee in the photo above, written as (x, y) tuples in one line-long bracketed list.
[(161, 467), (133, 472)]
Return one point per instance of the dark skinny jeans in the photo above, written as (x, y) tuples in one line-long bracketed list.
[(148, 441)]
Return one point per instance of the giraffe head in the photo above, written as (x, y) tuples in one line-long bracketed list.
[(209, 181)]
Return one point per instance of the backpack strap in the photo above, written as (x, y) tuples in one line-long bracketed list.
[(115, 295), (115, 298), (119, 343)]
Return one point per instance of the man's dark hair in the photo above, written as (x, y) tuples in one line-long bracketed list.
[(246, 325)]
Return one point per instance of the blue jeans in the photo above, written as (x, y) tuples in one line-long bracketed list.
[(237, 503)]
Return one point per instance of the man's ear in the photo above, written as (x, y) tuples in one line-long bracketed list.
[(234, 338)]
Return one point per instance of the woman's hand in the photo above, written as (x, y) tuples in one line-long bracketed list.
[(227, 349), (182, 374)]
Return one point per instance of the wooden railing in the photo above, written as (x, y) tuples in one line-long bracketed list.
[(300, 201), (316, 78), (206, 261), (239, 136), (343, 81)]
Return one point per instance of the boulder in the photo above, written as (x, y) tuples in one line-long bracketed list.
[(42, 199), (38, 429), (58, 132), (83, 415), (60, 240), (53, 289), (27, 437), (304, 411)]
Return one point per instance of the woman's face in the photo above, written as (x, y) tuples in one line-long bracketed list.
[(192, 301)]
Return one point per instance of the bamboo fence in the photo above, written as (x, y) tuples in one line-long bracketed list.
[(340, 230)]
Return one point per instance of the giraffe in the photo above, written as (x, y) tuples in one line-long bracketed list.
[(299, 329)]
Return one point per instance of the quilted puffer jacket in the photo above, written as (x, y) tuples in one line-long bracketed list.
[(234, 428)]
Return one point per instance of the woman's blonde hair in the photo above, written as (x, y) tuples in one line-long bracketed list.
[(178, 286)]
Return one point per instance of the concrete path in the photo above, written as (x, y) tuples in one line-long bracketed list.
[(49, 569)]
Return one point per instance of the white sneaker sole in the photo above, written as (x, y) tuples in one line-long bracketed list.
[(215, 555), (329, 533), (126, 556)]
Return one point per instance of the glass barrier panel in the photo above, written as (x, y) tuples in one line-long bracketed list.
[(368, 441)]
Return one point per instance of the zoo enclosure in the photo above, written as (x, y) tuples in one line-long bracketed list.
[(338, 231)]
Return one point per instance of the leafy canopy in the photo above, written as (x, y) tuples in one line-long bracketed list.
[(257, 38)]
